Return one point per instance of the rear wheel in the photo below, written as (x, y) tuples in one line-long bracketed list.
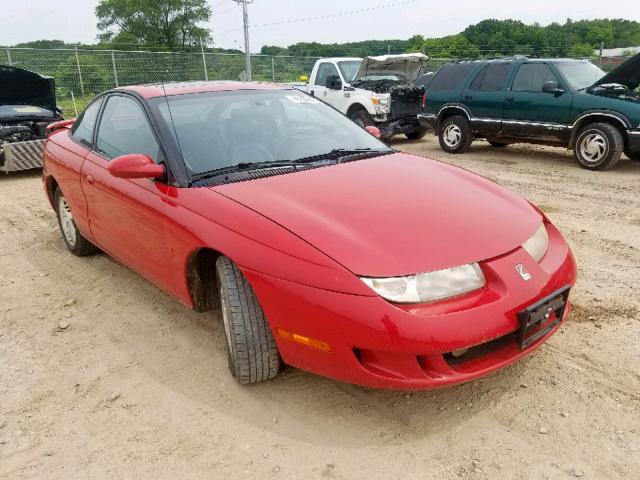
[(251, 349), (416, 134), (455, 135), (76, 243), (598, 146)]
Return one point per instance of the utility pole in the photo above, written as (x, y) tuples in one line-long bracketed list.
[(247, 51)]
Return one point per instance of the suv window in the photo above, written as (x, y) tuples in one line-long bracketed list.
[(124, 129), (531, 77), (451, 76), (324, 70), (82, 130), (492, 77)]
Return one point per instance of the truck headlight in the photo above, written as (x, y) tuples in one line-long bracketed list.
[(537, 245), (381, 103), (428, 287)]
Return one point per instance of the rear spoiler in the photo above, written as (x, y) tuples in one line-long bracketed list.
[(61, 125)]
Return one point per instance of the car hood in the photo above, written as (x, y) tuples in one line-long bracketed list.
[(408, 65), (627, 74), (22, 87), (393, 215)]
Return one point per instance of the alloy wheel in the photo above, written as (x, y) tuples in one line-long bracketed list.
[(452, 135), (66, 221), (593, 147)]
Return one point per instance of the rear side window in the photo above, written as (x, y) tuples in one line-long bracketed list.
[(124, 129), (531, 77), (83, 128), (451, 76), (492, 77)]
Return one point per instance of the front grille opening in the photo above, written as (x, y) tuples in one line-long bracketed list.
[(481, 350)]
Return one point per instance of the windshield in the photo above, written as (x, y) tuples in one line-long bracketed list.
[(580, 74), (216, 130), (349, 69)]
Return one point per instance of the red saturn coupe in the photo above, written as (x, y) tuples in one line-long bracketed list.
[(324, 248)]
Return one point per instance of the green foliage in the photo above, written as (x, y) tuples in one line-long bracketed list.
[(173, 24)]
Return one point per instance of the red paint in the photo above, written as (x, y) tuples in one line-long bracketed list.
[(301, 238), (135, 166)]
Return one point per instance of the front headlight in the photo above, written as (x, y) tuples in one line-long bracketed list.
[(428, 287), (537, 245)]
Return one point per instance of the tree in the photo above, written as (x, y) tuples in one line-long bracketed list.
[(174, 24)]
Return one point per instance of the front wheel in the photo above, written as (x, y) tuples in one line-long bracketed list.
[(416, 134), (251, 349), (455, 135), (361, 118), (76, 243), (598, 146)]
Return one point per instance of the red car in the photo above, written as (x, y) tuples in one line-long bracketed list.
[(325, 249)]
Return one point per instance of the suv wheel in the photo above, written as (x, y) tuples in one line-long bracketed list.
[(598, 146), (455, 135), (251, 349)]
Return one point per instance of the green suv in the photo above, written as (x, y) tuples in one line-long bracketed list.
[(561, 102)]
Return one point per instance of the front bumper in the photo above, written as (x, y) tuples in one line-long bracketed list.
[(634, 140), (378, 344)]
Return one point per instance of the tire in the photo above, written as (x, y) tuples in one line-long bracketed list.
[(497, 144), (455, 135), (361, 118), (416, 134), (598, 146), (73, 239), (251, 349)]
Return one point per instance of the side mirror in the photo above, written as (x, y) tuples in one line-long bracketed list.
[(135, 166), (334, 82), (375, 131), (552, 87)]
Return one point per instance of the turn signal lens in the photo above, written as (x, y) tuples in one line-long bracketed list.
[(309, 342)]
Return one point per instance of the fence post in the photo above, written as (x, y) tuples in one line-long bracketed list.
[(9, 57), (115, 71), (273, 70), (204, 61), (79, 72)]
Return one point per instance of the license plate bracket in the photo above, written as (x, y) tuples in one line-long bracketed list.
[(532, 319)]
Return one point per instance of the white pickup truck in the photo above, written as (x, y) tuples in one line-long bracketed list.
[(376, 91)]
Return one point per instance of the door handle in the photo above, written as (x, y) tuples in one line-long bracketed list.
[(509, 99), (90, 179)]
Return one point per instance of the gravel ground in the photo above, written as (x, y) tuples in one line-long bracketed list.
[(104, 376)]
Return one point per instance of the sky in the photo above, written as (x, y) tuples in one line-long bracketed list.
[(74, 20)]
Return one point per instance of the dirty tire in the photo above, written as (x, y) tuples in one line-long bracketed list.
[(416, 134), (598, 146), (455, 135), (497, 144), (361, 118), (252, 351), (73, 239)]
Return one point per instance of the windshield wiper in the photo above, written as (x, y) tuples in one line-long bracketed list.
[(339, 153)]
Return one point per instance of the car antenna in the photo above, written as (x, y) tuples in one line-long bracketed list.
[(173, 125)]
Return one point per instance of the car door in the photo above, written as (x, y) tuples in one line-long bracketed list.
[(484, 97), (320, 90), (127, 216), (530, 112)]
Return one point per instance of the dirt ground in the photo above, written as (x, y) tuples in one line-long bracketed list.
[(137, 386)]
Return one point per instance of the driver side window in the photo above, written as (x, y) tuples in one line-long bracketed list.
[(124, 129), (324, 71)]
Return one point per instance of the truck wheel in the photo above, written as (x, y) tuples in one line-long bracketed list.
[(416, 134), (497, 144), (598, 146), (76, 243), (251, 349), (455, 135), (361, 118)]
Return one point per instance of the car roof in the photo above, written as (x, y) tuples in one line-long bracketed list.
[(520, 58), (182, 88)]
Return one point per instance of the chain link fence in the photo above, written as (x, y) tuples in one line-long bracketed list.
[(81, 74)]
